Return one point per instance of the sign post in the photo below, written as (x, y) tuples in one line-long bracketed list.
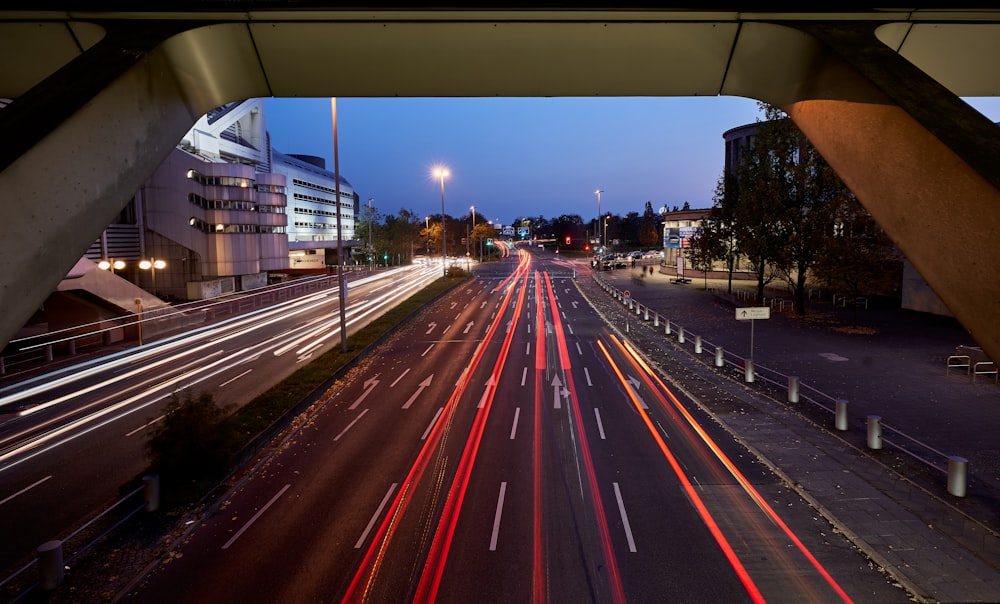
[(751, 313)]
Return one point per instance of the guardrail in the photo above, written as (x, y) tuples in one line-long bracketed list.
[(149, 324), (956, 468), (49, 556)]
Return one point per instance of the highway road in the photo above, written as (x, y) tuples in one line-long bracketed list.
[(507, 446), (70, 438)]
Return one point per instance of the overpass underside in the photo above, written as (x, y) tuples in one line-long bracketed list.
[(101, 98)]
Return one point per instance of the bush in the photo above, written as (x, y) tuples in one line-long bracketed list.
[(196, 441)]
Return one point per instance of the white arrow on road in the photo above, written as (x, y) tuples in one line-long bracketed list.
[(490, 384), (370, 384), (468, 326), (558, 392), (633, 385), (420, 388), (574, 303), (430, 327)]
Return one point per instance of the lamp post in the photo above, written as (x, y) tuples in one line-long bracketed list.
[(473, 234), (605, 230), (427, 234), (371, 248), (151, 265), (599, 191), (442, 173)]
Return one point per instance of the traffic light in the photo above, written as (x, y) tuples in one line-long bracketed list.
[(489, 242), (567, 239)]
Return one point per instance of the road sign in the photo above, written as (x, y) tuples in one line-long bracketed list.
[(628, 294), (753, 312)]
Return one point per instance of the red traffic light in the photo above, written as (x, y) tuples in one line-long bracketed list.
[(567, 239)]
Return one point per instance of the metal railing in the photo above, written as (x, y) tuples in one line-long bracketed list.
[(955, 468)]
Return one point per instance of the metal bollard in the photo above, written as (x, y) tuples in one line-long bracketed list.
[(666, 329), (958, 473), (874, 432), (680, 335), (647, 314), (793, 389), (719, 360), (656, 319), (748, 370), (151, 491), (50, 564), (638, 309), (697, 344), (841, 421)]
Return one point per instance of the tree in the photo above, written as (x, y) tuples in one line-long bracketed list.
[(649, 233), (196, 441), (859, 258), (717, 238)]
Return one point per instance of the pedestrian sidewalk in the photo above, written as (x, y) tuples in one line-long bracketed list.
[(883, 362)]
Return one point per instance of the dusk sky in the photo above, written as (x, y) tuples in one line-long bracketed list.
[(512, 157)]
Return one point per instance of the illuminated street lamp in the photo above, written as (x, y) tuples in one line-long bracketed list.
[(605, 230), (151, 265), (442, 173), (112, 265), (599, 191), (427, 230), (473, 208)]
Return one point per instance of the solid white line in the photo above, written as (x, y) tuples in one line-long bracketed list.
[(229, 381), (144, 426), (513, 427), (600, 425), (351, 425), (431, 425), (256, 516), (621, 509), (25, 489), (400, 377), (496, 518), (378, 512)]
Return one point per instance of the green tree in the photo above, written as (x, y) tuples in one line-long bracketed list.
[(649, 233), (196, 441), (718, 232), (859, 258)]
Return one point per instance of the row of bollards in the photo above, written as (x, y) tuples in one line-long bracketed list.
[(957, 466)]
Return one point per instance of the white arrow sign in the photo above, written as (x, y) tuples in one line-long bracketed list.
[(370, 384), (632, 384), (420, 389), (431, 326), (753, 312), (468, 326), (490, 384)]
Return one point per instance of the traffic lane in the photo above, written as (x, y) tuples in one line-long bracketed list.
[(347, 400), (786, 548), (340, 469)]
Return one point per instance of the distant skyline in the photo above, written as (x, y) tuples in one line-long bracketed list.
[(512, 157)]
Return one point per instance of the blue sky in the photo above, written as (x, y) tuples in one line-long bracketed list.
[(512, 157)]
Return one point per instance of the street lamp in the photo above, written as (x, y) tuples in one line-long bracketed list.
[(427, 234), (599, 191), (473, 208), (442, 173), (605, 230), (151, 265), (371, 248), (112, 265)]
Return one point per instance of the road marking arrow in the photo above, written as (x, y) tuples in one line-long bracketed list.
[(430, 327), (633, 385), (490, 384), (370, 384), (420, 388), (468, 326)]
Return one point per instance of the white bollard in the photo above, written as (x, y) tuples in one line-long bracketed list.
[(793, 389), (958, 472), (841, 420), (680, 335), (697, 344), (719, 360), (656, 319), (666, 329), (748, 370), (874, 432)]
